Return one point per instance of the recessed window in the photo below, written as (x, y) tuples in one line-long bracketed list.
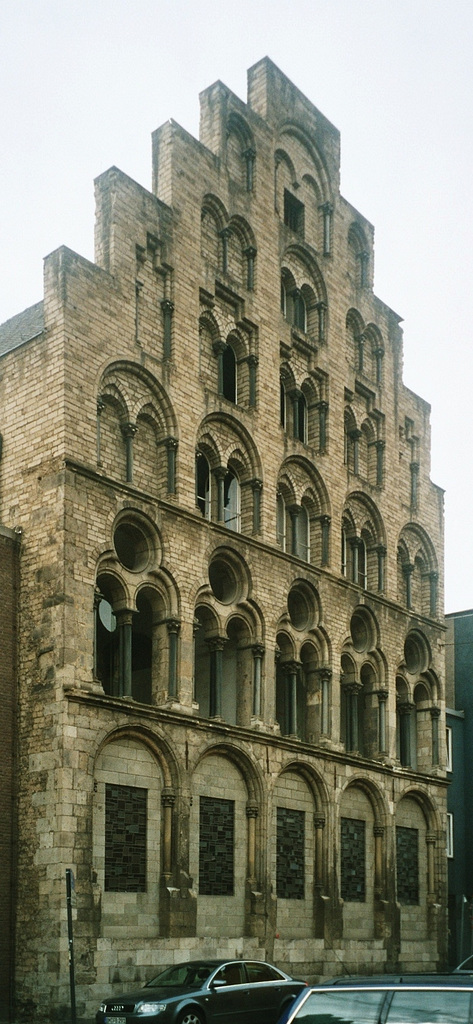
[(223, 581), (231, 502), (229, 380), (131, 546), (202, 485), (293, 213), (449, 740), (125, 838), (450, 835)]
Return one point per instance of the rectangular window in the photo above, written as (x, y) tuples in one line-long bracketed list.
[(293, 213), (449, 737), (407, 865), (125, 838), (449, 835), (216, 845), (353, 885), (290, 833)]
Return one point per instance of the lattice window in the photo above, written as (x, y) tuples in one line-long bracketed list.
[(353, 845), (290, 854), (216, 845), (407, 865), (125, 838)]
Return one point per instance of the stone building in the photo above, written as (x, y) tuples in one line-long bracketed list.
[(231, 705)]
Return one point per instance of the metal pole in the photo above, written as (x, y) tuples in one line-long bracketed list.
[(69, 891)]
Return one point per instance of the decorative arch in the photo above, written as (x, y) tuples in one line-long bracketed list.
[(417, 571), (363, 542)]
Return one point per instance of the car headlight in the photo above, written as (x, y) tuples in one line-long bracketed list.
[(102, 1007), (150, 1007)]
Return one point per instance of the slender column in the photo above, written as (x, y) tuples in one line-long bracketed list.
[(220, 475), (382, 735), (216, 645), (124, 620), (167, 308), (171, 450), (361, 352), (218, 350), (430, 840), (380, 446), (258, 652), (364, 258), (355, 440), (323, 410), (325, 676), (291, 684), (327, 210), (378, 832), (249, 156), (225, 235), (379, 365), (407, 569), (252, 365), (322, 320), (355, 549), (100, 409), (256, 487), (167, 803), (294, 514), (138, 289), (251, 816), (196, 624), (250, 254), (433, 580), (381, 552), (414, 484), (173, 626), (435, 716), (98, 597), (352, 690), (325, 523), (319, 825), (129, 431)]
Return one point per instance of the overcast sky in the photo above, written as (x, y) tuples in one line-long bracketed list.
[(85, 82)]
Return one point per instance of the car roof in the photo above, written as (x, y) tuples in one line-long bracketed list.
[(443, 980)]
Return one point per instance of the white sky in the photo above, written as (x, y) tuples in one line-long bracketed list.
[(83, 83)]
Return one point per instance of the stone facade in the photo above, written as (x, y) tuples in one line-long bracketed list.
[(231, 576), (8, 778)]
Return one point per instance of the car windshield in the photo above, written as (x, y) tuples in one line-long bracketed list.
[(181, 976)]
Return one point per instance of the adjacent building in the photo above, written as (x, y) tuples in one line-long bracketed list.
[(231, 638)]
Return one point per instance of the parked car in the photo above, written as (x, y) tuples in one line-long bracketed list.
[(441, 999), (206, 992)]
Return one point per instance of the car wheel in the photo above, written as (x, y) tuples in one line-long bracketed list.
[(191, 1016)]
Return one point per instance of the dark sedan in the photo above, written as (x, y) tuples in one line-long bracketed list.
[(206, 992)]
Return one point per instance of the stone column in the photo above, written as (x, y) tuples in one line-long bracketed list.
[(218, 348), (256, 487), (322, 316), (171, 450), (430, 840), (124, 622), (323, 410), (251, 816), (167, 802), (250, 254), (319, 825), (325, 524), (167, 309), (252, 365), (249, 156), (327, 211), (414, 483), (433, 580), (129, 431), (435, 716), (291, 684), (408, 569), (380, 446), (378, 832), (381, 553), (258, 652), (220, 475), (173, 626), (100, 409), (382, 736)]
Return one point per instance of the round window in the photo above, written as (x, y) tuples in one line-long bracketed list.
[(360, 633), (223, 581), (298, 608), (414, 654), (131, 546)]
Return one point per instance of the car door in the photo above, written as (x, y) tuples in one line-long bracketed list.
[(268, 990), (229, 1000)]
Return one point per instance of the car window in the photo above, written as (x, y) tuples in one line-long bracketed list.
[(337, 1007), (429, 1007), (262, 972), (231, 974), (186, 975)]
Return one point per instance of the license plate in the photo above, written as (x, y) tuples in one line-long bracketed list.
[(115, 1020)]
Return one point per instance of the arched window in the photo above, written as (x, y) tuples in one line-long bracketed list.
[(281, 522), (231, 501), (301, 538), (300, 417), (229, 376), (202, 485), (299, 314)]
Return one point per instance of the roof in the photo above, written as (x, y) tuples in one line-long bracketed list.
[(21, 328)]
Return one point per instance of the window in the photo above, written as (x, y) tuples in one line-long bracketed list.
[(290, 854), (299, 315), (216, 844), (300, 418), (202, 485), (229, 379), (449, 835), (352, 860), (231, 502), (281, 522), (407, 865), (125, 838), (293, 212), (449, 738)]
